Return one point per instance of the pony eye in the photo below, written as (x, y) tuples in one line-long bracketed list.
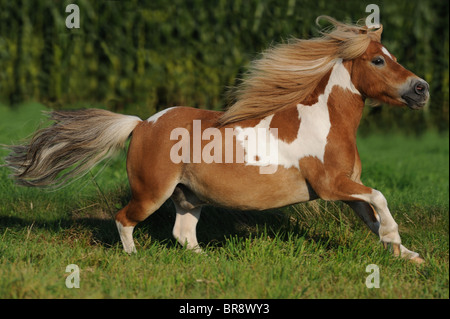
[(378, 61)]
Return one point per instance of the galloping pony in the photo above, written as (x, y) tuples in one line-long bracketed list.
[(306, 97)]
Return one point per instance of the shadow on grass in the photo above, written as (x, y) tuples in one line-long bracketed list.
[(215, 227)]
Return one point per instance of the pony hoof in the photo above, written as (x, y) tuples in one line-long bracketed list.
[(417, 260)]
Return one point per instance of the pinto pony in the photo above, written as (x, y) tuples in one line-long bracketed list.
[(310, 92)]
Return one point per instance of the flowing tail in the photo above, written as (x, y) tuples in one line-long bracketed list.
[(75, 143)]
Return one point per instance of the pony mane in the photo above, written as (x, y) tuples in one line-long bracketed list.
[(286, 74)]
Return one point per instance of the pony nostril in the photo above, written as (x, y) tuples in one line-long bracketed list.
[(421, 88)]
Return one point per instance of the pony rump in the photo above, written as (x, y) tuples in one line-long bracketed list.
[(75, 143), (288, 73)]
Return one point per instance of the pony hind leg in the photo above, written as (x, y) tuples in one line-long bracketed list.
[(152, 176), (128, 217), (136, 211)]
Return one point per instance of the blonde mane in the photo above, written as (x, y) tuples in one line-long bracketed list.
[(288, 73)]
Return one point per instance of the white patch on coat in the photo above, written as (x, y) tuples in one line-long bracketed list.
[(388, 230), (126, 236), (155, 117), (256, 141), (385, 51), (312, 136)]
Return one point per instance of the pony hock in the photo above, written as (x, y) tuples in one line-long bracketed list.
[(312, 91)]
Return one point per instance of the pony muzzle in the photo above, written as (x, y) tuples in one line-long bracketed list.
[(416, 94)]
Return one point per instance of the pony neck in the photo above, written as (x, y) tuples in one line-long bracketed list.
[(335, 100)]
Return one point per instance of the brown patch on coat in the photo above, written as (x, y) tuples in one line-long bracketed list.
[(288, 123), (320, 89)]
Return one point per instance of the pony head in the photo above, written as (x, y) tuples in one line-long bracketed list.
[(378, 75), (375, 71)]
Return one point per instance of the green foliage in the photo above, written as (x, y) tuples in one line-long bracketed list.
[(142, 56)]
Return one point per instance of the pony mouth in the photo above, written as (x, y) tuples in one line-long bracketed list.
[(413, 104)]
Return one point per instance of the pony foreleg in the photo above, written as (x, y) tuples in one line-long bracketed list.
[(366, 202), (185, 227), (372, 220), (388, 229)]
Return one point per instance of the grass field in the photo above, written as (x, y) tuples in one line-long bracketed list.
[(315, 250)]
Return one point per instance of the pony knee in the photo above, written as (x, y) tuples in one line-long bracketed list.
[(378, 199)]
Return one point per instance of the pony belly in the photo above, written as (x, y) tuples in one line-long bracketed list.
[(242, 187)]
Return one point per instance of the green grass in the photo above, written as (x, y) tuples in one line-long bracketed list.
[(313, 250)]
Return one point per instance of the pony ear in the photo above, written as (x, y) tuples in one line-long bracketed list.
[(377, 33), (374, 34)]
